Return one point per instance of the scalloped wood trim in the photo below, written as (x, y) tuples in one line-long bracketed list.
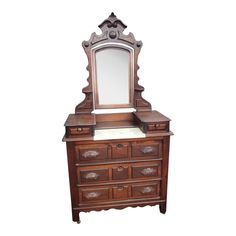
[(112, 31)]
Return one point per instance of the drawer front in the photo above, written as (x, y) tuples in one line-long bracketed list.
[(157, 127), (119, 150), (146, 171), (142, 149), (120, 192), (145, 190), (94, 195), (78, 130), (120, 172), (91, 153), (92, 175)]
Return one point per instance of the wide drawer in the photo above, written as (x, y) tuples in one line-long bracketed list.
[(91, 153), (119, 172), (119, 192), (148, 148)]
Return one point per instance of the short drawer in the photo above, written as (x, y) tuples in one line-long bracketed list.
[(120, 192), (91, 152), (94, 195), (141, 149), (92, 175), (146, 171), (145, 190), (157, 127), (78, 131), (119, 150), (120, 172)]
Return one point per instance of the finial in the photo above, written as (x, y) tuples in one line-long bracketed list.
[(112, 15)]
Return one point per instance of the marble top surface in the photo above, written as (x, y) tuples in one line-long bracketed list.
[(123, 133)]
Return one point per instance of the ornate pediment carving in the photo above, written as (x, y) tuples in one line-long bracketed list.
[(112, 32)]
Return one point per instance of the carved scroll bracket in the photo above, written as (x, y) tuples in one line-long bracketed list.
[(112, 31)]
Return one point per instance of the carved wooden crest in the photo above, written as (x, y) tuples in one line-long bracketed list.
[(112, 31)]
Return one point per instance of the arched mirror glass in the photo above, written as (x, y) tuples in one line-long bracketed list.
[(113, 78)]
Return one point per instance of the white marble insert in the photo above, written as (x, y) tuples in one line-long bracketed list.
[(123, 133)]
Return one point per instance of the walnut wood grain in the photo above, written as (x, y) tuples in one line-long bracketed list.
[(119, 173), (112, 32)]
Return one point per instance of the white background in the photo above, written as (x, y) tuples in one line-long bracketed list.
[(187, 66)]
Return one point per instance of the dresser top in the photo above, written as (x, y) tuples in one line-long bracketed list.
[(80, 120), (151, 116)]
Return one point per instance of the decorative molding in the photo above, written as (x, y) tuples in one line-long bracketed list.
[(121, 205), (112, 31)]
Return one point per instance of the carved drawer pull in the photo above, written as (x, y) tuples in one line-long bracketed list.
[(157, 125), (120, 168), (147, 190), (148, 171), (147, 150), (91, 175), (90, 154), (92, 195), (79, 129), (119, 145), (120, 188)]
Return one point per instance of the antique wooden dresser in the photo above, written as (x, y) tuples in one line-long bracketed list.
[(117, 146)]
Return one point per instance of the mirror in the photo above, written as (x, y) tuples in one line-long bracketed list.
[(112, 66), (113, 78)]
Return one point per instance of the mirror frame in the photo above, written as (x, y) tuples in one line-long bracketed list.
[(112, 34), (124, 47)]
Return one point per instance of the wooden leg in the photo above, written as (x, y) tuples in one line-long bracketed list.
[(76, 217), (162, 208), (78, 220)]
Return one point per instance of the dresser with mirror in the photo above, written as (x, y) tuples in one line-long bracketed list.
[(117, 146)]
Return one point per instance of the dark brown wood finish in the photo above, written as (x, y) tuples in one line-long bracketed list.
[(116, 173), (105, 179), (112, 32)]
